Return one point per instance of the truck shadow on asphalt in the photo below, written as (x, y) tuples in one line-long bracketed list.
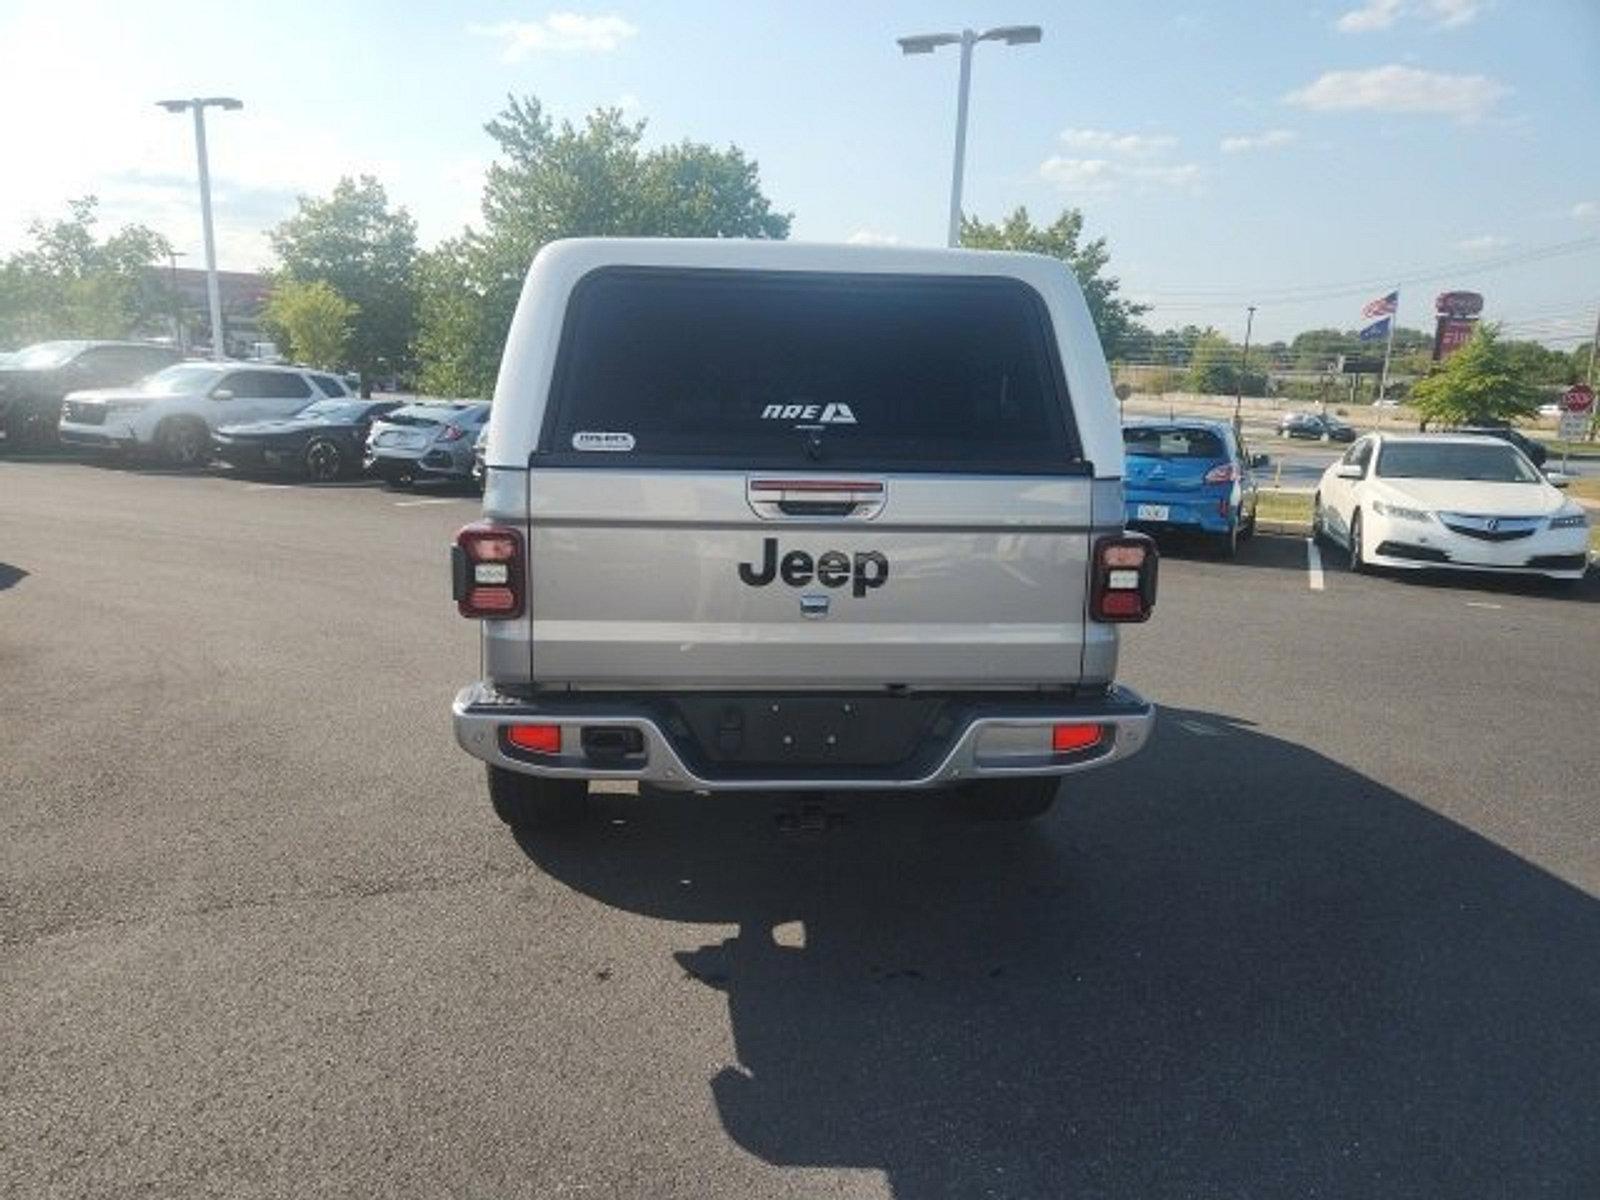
[(1228, 967)]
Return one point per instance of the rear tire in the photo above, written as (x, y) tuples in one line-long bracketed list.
[(532, 803), (324, 461), (1009, 799), (1228, 543), (183, 443)]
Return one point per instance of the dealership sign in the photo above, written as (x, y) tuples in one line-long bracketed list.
[(1457, 317), (1460, 305)]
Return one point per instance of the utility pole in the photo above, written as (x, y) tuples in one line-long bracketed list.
[(213, 294), (1244, 363), (1594, 348)]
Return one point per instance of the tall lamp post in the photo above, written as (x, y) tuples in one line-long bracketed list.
[(1244, 363), (198, 106), (927, 43)]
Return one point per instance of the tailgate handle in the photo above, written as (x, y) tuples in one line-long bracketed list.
[(774, 499)]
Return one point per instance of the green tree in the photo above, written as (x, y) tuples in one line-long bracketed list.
[(367, 253), (1115, 318), (552, 182), (68, 283), (1480, 382), (313, 319)]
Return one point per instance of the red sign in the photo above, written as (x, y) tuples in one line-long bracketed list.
[(1579, 398), (1458, 304), (1452, 334)]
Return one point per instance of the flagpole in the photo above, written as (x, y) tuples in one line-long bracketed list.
[(1388, 347)]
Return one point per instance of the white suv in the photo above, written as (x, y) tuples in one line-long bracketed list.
[(175, 411)]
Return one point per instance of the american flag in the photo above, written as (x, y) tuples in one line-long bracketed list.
[(1383, 306)]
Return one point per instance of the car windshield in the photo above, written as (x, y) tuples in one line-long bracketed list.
[(45, 356), (1486, 463), (1173, 441), (180, 378), (331, 410)]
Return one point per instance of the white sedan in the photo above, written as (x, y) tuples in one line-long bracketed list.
[(1458, 503)]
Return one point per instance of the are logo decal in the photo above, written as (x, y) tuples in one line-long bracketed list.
[(592, 440), (825, 414)]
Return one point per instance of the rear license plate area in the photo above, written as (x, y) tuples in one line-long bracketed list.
[(804, 731)]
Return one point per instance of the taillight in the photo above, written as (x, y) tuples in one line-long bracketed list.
[(535, 739), (452, 433), (1225, 473), (487, 572), (1069, 739), (1124, 583)]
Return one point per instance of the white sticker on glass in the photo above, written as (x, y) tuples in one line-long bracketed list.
[(589, 440)]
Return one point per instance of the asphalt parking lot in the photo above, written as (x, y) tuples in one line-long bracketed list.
[(1333, 934)]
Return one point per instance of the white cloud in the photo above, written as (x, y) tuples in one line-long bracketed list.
[(1396, 88), (1132, 145), (1452, 14), (560, 33), (1483, 243), (1586, 210), (1102, 176), (872, 237), (1240, 142), (1381, 14), (1375, 14)]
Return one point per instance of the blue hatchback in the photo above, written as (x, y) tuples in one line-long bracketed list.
[(1190, 474)]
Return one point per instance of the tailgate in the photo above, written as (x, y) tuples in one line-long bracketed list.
[(708, 581)]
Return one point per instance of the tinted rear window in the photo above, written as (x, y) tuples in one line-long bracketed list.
[(1173, 442), (746, 370)]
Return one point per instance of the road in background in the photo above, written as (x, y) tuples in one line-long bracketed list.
[(1329, 935)]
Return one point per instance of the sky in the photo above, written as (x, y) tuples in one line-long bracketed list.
[(1301, 158)]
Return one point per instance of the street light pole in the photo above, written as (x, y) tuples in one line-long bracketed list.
[(1244, 364), (927, 43), (213, 293)]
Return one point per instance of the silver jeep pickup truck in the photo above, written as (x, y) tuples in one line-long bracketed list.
[(763, 515)]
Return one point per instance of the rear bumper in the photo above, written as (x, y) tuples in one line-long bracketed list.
[(1213, 510), (392, 463), (990, 738)]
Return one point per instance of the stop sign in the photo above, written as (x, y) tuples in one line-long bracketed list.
[(1579, 398)]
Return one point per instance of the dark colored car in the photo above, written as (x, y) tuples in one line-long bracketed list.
[(1316, 427), (1190, 474), (322, 442), (34, 381), (1537, 452)]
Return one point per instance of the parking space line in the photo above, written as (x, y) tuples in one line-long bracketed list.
[(1313, 565), (267, 487), (430, 500), (1482, 604)]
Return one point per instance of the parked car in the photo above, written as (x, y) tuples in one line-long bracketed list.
[(1537, 452), (36, 379), (1452, 501), (1190, 474), (478, 448), (174, 412), (431, 440), (322, 442), (1316, 427), (799, 517)]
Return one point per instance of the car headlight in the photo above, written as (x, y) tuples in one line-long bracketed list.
[(1400, 511), (1571, 520)]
